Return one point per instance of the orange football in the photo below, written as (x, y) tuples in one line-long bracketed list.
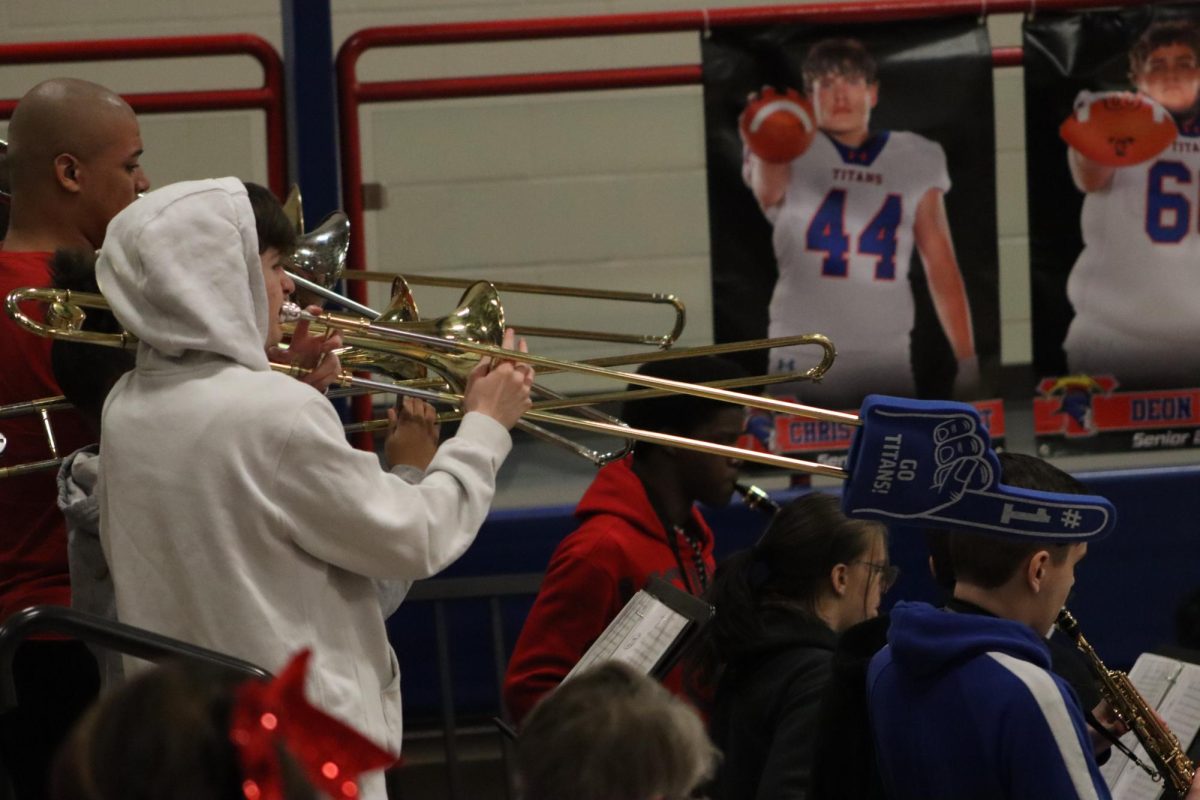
[(1118, 128), (778, 127)]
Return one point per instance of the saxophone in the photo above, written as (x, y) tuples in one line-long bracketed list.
[(1133, 710)]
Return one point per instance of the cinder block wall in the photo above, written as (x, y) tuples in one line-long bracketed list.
[(592, 189)]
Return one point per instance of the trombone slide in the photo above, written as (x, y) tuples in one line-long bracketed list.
[(368, 334), (616, 429)]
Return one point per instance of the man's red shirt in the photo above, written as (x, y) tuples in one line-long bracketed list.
[(33, 538)]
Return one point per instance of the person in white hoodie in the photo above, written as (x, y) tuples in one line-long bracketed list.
[(87, 373), (234, 514)]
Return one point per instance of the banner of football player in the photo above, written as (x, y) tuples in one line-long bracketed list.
[(851, 191), (1113, 150)]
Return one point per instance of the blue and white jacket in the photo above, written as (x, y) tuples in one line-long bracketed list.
[(965, 706)]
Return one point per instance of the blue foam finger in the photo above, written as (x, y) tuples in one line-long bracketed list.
[(931, 461)]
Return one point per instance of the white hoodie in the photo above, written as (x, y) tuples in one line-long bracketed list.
[(233, 512)]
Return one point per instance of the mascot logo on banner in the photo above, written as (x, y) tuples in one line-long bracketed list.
[(1075, 393)]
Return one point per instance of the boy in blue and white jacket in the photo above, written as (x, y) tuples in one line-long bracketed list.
[(963, 705), (962, 700)]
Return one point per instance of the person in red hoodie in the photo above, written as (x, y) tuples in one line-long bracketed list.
[(638, 520), (73, 163)]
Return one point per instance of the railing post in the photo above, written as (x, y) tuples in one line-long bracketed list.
[(311, 108), (449, 720), (501, 664)]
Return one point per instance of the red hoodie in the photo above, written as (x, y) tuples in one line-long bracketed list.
[(619, 545)]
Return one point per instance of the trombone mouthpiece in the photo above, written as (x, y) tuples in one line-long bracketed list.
[(290, 312)]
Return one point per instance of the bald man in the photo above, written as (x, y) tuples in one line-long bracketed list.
[(73, 163), (74, 152)]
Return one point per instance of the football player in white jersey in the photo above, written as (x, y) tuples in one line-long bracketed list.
[(1136, 285), (846, 214)]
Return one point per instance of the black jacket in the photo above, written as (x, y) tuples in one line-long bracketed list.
[(844, 754), (765, 708)]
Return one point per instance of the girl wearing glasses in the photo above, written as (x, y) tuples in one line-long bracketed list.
[(780, 607)]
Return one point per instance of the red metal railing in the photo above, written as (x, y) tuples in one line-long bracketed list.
[(352, 93), (269, 97)]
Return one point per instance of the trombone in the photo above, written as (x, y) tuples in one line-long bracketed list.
[(662, 341), (320, 260), (424, 347), (322, 253), (479, 318)]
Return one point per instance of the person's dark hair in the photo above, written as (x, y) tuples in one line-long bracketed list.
[(611, 733), (85, 372), (273, 227), (680, 413), (838, 57), (165, 734), (806, 539), (940, 563), (1162, 34), (1187, 622), (990, 561)]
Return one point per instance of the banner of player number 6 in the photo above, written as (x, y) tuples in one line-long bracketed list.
[(852, 192)]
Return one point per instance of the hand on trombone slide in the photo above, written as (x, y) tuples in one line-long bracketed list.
[(314, 354), (413, 433), (499, 387)]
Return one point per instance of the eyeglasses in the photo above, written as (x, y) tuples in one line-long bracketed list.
[(888, 573), (1162, 67)]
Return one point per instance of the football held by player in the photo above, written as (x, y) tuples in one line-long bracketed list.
[(847, 213), (1133, 287)]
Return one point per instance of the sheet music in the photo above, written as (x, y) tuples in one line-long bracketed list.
[(1154, 675), (639, 636), (1134, 783), (1181, 709), (1118, 763), (1173, 687)]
